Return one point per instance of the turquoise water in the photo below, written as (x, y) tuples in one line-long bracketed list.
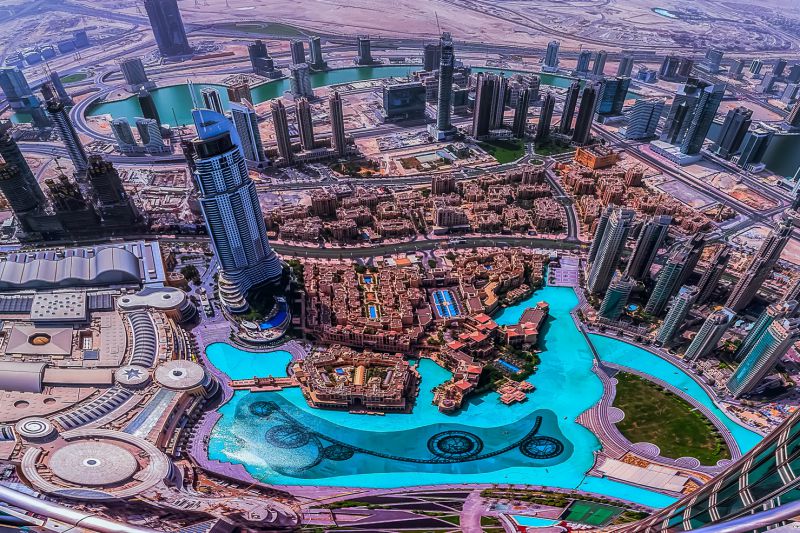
[(622, 353), (533, 521), (281, 440), (664, 13)]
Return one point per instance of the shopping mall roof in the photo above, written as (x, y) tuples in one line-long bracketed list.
[(21, 377)]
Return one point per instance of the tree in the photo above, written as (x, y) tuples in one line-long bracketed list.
[(432, 263), (190, 273)]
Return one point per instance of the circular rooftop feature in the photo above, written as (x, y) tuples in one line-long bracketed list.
[(93, 463), (180, 375), (131, 375), (34, 428), (39, 339)]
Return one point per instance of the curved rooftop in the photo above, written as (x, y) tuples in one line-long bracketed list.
[(160, 298), (19, 376)]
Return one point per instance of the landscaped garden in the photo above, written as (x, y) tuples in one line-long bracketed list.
[(505, 151)]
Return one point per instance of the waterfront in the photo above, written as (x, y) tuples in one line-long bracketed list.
[(281, 440)]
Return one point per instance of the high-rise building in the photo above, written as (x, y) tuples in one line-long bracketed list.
[(123, 134), (643, 118), (694, 250), (444, 128), (755, 67), (150, 134), (305, 124), (211, 99), (364, 51), (23, 199), (260, 60), (112, 202), (773, 312), (66, 130), (12, 155), (15, 87), (609, 250), (281, 124), (490, 93), (239, 90), (135, 75), (704, 112), (545, 117), (762, 264), (792, 122), (736, 68), (713, 60), (711, 275), (685, 68), (678, 311), (711, 332), (597, 238), (301, 80), (520, 124), (754, 147), (616, 298), (58, 85), (611, 97), (551, 57), (735, 127), (298, 51), (667, 282), (148, 105), (232, 212), (794, 74), (336, 113), (764, 354), (681, 110), (599, 65), (584, 59), (649, 241), (431, 56), (625, 67), (767, 84), (779, 67), (669, 67), (570, 103), (790, 93), (315, 49), (167, 24), (404, 101), (245, 120), (585, 118)]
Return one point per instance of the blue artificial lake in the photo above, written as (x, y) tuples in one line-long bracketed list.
[(279, 439)]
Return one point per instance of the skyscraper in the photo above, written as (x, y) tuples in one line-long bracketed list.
[(298, 51), (315, 49), (599, 65), (545, 117), (570, 103), (135, 75), (611, 97), (609, 250), (713, 60), (669, 67), (239, 89), (66, 130), (616, 297), (711, 332), (779, 67), (58, 85), (260, 60), (232, 212), (584, 59), (551, 57), (735, 127), (281, 124), (650, 239), (792, 122), (711, 275), (761, 359), (667, 282), (490, 95), (211, 99), (12, 155), (678, 311), (364, 51), (16, 88), (301, 80), (736, 68), (773, 312), (762, 264), (597, 238), (305, 123), (148, 105), (583, 123), (643, 118), (336, 113), (444, 128), (625, 67), (431, 56), (704, 112), (123, 134), (520, 124), (680, 112), (150, 133), (755, 67), (694, 250), (754, 147), (113, 203), (245, 120), (167, 24), (23, 199)]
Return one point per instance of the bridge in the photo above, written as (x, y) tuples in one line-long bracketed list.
[(266, 384)]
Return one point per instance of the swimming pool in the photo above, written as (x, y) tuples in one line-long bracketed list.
[(372, 309), (505, 364), (533, 521), (445, 304)]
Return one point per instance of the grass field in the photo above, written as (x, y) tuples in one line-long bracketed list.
[(261, 28), (504, 151), (655, 415), (72, 78), (595, 514)]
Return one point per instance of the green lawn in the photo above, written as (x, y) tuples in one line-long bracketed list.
[(261, 28), (72, 78), (504, 151), (655, 415), (595, 514), (549, 148)]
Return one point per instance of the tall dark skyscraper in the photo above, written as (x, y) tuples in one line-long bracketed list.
[(444, 128), (583, 123), (260, 60), (570, 103), (650, 239), (305, 124), (704, 112), (298, 50), (281, 124), (364, 51), (599, 65), (315, 51), (11, 154), (625, 67), (613, 92), (148, 105), (521, 114), (711, 276), (336, 113), (167, 23), (113, 203), (489, 104), (668, 281), (432, 55), (77, 153), (735, 127), (545, 117), (612, 242)]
